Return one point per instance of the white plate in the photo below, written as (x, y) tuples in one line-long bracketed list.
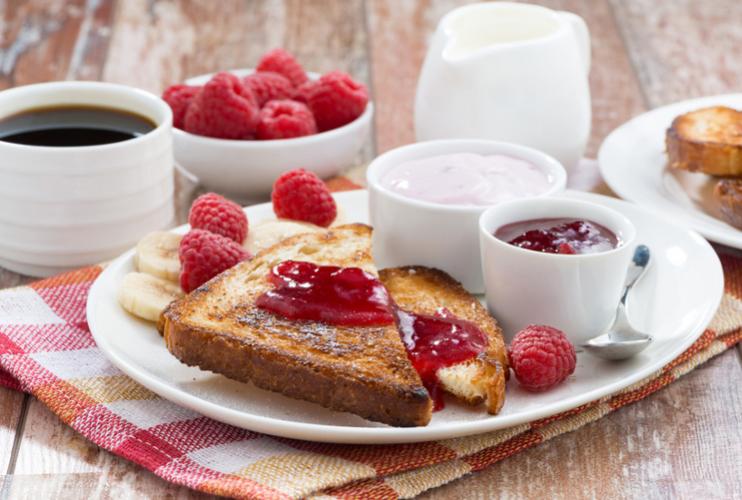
[(634, 164), (675, 302)]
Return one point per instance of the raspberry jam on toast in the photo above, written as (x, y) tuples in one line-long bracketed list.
[(331, 294)]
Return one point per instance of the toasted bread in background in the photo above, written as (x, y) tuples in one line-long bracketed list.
[(362, 370), (728, 194), (707, 140), (423, 290)]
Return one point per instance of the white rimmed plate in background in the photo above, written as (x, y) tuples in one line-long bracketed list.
[(634, 164)]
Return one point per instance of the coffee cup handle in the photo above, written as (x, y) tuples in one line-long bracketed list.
[(582, 34)]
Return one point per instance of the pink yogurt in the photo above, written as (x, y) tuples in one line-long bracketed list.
[(467, 179)]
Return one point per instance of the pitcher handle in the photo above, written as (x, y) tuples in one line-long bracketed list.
[(582, 35)]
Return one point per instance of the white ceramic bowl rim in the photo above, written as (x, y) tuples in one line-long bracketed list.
[(546, 163), (627, 231), (165, 118), (449, 18), (196, 80)]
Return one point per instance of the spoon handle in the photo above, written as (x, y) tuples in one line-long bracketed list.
[(636, 271)]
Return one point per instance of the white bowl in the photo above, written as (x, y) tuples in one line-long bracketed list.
[(576, 293), (415, 232), (246, 170)]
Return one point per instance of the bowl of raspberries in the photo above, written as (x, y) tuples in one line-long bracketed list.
[(239, 130)]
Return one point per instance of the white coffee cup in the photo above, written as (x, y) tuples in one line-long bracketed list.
[(508, 72), (576, 293), (65, 207), (409, 231)]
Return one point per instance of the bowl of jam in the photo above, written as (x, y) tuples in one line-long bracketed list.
[(558, 261)]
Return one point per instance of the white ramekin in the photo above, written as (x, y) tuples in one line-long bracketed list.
[(63, 207), (246, 170), (415, 232), (576, 293)]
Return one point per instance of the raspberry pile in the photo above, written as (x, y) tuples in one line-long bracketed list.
[(214, 243), (541, 357), (277, 101)]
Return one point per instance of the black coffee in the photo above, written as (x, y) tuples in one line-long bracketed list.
[(73, 126)]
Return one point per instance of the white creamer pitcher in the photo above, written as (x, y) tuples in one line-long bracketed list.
[(509, 72)]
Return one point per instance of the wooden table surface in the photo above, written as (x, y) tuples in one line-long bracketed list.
[(680, 443)]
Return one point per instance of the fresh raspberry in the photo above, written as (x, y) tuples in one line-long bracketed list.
[(335, 99), (203, 255), (224, 108), (284, 120), (301, 195), (269, 86), (541, 357), (179, 97), (301, 93), (215, 213), (282, 62)]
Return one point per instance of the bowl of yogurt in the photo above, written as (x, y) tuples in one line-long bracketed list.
[(425, 200)]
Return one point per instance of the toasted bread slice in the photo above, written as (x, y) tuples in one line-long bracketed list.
[(362, 370), (424, 290), (728, 194), (707, 140)]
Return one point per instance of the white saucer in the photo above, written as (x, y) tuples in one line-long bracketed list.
[(675, 302), (634, 164)]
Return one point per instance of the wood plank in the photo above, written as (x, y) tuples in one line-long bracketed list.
[(615, 92), (49, 40), (676, 444), (683, 49), (153, 48)]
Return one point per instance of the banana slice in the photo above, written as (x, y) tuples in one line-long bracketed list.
[(146, 296), (269, 232), (157, 254)]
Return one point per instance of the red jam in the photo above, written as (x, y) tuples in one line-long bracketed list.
[(438, 341), (337, 295), (563, 236), (350, 296)]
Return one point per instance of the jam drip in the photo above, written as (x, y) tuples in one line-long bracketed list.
[(438, 341), (564, 236), (346, 296)]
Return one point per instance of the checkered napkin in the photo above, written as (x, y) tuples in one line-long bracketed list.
[(46, 350)]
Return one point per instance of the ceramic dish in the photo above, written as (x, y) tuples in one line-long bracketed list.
[(449, 233), (575, 293), (684, 261), (247, 169), (634, 164)]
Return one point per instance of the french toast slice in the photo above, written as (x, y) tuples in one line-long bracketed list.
[(728, 194), (423, 290), (362, 370), (707, 140)]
